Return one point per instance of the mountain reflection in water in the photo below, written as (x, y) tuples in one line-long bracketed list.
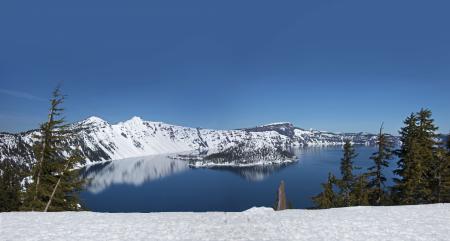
[(137, 171), (134, 171), (161, 184), (254, 173)]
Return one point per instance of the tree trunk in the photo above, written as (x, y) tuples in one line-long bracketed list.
[(56, 187), (281, 205), (44, 145)]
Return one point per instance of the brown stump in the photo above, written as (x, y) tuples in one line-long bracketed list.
[(281, 204)]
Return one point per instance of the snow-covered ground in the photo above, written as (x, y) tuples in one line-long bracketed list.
[(426, 222)]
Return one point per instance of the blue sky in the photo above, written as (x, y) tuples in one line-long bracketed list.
[(329, 65)]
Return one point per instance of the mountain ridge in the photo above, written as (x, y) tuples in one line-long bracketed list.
[(135, 137)]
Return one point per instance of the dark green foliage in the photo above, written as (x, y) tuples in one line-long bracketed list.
[(408, 169), (360, 191), (351, 190), (418, 163), (11, 175), (445, 191), (428, 145), (441, 187), (53, 172), (346, 182), (423, 170), (65, 195), (377, 179), (327, 198)]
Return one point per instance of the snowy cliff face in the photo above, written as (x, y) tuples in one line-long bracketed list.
[(136, 137)]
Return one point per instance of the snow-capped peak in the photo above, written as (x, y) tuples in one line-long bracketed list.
[(94, 119), (135, 119)]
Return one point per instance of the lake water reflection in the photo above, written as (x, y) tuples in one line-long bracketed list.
[(158, 183)]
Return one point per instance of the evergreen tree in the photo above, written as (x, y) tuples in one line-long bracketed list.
[(347, 178), (360, 191), (417, 161), (327, 198), (442, 174), (55, 181), (11, 175), (427, 148), (445, 192), (376, 177), (406, 184)]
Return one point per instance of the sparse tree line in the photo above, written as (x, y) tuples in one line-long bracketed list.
[(52, 182), (422, 174)]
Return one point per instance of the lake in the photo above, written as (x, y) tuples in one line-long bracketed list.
[(160, 184)]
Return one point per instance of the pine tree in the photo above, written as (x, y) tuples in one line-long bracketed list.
[(417, 164), (405, 186), (376, 177), (442, 174), (445, 191), (55, 181), (327, 198), (10, 188), (427, 148), (347, 178), (360, 191)]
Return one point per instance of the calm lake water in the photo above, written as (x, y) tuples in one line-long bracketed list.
[(157, 183)]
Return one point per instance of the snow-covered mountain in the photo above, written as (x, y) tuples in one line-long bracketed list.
[(102, 141)]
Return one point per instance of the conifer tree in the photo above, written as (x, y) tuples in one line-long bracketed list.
[(427, 148), (445, 192), (55, 182), (360, 191), (441, 189), (376, 177), (327, 198), (418, 163), (11, 175), (407, 170), (347, 178)]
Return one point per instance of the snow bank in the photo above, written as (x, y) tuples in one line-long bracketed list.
[(426, 222)]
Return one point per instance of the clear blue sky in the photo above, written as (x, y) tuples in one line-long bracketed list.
[(329, 65)]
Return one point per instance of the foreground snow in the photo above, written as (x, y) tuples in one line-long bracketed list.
[(427, 222)]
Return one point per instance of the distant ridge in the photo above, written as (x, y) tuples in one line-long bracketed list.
[(137, 137)]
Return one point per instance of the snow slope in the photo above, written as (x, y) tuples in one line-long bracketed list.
[(102, 141), (425, 222)]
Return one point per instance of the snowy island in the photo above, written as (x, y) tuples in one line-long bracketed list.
[(421, 222)]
